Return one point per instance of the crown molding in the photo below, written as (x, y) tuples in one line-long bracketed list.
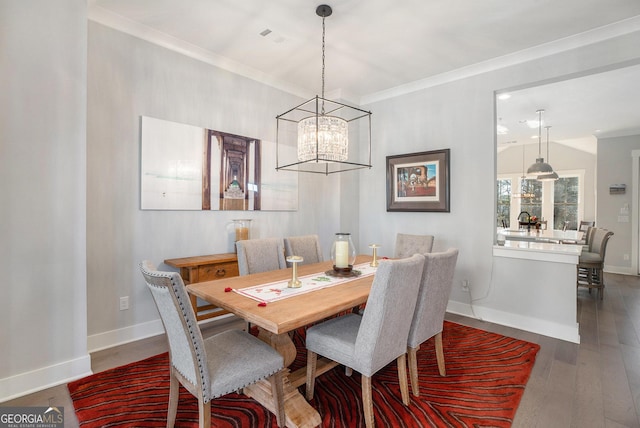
[(120, 23)]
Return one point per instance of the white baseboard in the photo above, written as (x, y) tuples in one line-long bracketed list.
[(460, 308), (44, 377), (109, 339), (534, 325), (622, 270)]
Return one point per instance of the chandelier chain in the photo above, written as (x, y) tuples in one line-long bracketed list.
[(323, 32)]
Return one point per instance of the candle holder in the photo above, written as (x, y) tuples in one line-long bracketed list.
[(242, 227), (295, 282), (374, 248), (343, 253)]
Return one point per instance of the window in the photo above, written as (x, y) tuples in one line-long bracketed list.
[(531, 202), (566, 192), (504, 202), (557, 201)]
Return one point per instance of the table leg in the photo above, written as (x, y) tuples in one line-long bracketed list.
[(300, 414)]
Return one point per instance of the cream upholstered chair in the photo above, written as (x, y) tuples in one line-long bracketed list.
[(307, 247), (212, 367), (591, 263), (428, 317), (366, 343), (408, 245), (260, 255)]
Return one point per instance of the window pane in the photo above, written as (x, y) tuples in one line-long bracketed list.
[(565, 206), (504, 202), (531, 203)]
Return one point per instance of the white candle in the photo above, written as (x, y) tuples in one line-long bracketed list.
[(342, 254), (242, 233)]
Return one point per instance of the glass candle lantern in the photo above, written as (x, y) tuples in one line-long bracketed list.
[(343, 253), (242, 228)]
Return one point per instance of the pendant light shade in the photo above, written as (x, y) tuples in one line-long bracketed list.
[(540, 167), (322, 131), (552, 176)]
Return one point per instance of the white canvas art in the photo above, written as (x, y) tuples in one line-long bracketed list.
[(171, 167), (175, 176)]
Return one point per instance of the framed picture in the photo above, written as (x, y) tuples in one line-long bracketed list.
[(418, 181)]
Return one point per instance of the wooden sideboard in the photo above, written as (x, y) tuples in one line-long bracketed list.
[(205, 268)]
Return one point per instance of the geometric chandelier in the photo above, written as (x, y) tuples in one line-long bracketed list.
[(322, 130)]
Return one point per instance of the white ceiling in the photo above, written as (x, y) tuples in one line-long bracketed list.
[(377, 48), (579, 110)]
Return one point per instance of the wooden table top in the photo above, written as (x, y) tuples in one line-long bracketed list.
[(291, 313)]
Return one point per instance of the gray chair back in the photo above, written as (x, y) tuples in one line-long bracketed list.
[(186, 345), (384, 329), (599, 239), (585, 225), (306, 246), (260, 255), (435, 287), (408, 245)]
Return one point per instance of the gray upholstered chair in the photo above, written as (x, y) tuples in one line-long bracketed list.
[(212, 367), (428, 317), (586, 227), (260, 255), (591, 263), (366, 343), (408, 245), (307, 247)]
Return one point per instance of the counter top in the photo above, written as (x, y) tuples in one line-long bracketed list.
[(539, 235), (540, 251)]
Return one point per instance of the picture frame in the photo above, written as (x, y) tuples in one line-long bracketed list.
[(419, 181)]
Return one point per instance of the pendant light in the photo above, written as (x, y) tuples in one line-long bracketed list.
[(540, 167), (322, 129), (522, 193), (552, 176)]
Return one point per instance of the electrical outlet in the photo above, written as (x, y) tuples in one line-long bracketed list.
[(626, 256), (465, 285), (124, 303)]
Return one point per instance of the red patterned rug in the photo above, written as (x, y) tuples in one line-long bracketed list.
[(486, 377)]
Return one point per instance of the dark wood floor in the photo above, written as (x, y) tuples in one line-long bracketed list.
[(593, 384)]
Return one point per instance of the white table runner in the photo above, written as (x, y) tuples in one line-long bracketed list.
[(279, 290)]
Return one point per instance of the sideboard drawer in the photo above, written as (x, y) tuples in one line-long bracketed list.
[(206, 268), (217, 271)]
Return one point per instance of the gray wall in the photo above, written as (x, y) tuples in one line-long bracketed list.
[(129, 78), (43, 309), (615, 167), (460, 116)]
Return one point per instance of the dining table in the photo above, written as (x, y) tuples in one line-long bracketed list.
[(278, 316)]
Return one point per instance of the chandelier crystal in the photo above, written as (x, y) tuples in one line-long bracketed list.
[(325, 138)]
